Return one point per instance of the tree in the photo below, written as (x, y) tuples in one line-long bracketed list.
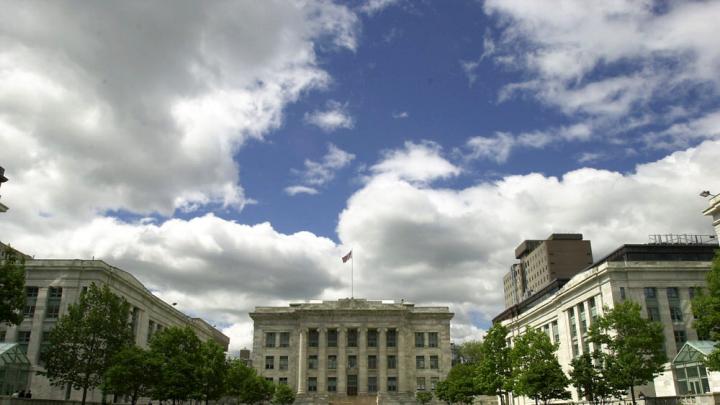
[(132, 373), (494, 373), (592, 377), (424, 397), (244, 384), (706, 307), (635, 346), (176, 352), (85, 339), (536, 371), (284, 395), (471, 352), (12, 287), (212, 371), (459, 386)]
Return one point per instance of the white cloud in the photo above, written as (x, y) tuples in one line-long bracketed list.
[(334, 117), (371, 7), (470, 67), (400, 115), (150, 117), (320, 173), (416, 162)]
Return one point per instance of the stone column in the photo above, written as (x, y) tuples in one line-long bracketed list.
[(588, 323), (322, 361), (382, 360), (302, 354), (342, 362), (576, 313), (362, 361), (403, 362)]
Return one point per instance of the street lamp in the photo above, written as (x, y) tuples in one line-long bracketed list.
[(707, 193)]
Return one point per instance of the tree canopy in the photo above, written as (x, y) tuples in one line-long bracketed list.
[(471, 351), (212, 371), (459, 386), (86, 338), (635, 346), (494, 373), (132, 373), (706, 307), (12, 287), (537, 373), (177, 354), (244, 384), (284, 395)]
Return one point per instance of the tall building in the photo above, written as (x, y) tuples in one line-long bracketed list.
[(52, 285), (545, 265), (662, 277), (353, 350)]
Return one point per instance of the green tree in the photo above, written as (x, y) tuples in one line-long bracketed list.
[(176, 352), (12, 287), (471, 351), (536, 371), (212, 371), (635, 346), (85, 339), (494, 373), (459, 386), (592, 377), (132, 373), (424, 397), (244, 384), (706, 307), (284, 395)]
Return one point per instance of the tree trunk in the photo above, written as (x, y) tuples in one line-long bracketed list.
[(632, 393), (84, 395)]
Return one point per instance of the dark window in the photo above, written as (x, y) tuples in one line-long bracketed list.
[(284, 339), (434, 362), (44, 345), (283, 364), (672, 292), (313, 338), (312, 384), (433, 382), (419, 361), (420, 384), (650, 292), (53, 302), (372, 384), (269, 362), (392, 384), (352, 361), (676, 313), (312, 362), (653, 314), (372, 362), (352, 337), (419, 339), (332, 362), (391, 338), (24, 340), (31, 294), (680, 338), (622, 293), (270, 339), (332, 338), (391, 362), (332, 384), (282, 381), (433, 339), (372, 338)]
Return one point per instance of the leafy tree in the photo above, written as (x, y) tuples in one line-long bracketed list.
[(459, 386), (244, 384), (284, 395), (177, 354), (85, 339), (12, 287), (536, 371), (132, 373), (424, 397), (471, 351), (592, 376), (635, 346), (494, 373), (706, 307), (212, 371)]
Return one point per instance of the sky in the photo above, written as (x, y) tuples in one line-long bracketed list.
[(228, 153)]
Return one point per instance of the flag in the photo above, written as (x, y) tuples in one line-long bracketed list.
[(347, 256)]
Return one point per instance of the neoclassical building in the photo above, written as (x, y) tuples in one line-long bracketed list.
[(353, 350)]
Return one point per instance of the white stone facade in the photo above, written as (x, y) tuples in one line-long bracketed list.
[(713, 210), (55, 284), (662, 287), (353, 350)]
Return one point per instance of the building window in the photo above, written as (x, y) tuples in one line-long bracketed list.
[(313, 338), (332, 384), (332, 335), (134, 320), (372, 362), (654, 314), (269, 362), (352, 337), (352, 361), (676, 313), (419, 361), (434, 362), (282, 381), (593, 309), (573, 325), (433, 382), (391, 362), (622, 293), (23, 340), (53, 302), (44, 345), (372, 338), (270, 339), (269, 379), (312, 362), (372, 384), (672, 292), (284, 339), (332, 362), (692, 379), (151, 330), (31, 294), (391, 338), (312, 384), (420, 384), (419, 339), (433, 339), (555, 332), (392, 384), (2, 335), (680, 338), (583, 319), (283, 364), (650, 292)]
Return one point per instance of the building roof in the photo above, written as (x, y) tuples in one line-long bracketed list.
[(10, 353), (694, 351), (350, 305)]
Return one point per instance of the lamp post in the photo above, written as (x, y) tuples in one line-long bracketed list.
[(3, 179)]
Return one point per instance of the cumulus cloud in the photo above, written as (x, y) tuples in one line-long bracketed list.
[(147, 105), (335, 116), (375, 6), (416, 162), (316, 174), (400, 115)]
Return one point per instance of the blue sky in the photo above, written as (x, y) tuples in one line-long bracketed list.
[(229, 153)]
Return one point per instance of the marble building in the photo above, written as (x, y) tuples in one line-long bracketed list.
[(353, 350)]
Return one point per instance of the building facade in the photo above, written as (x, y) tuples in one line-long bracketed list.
[(713, 210), (543, 263), (353, 350), (661, 278), (52, 285)]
